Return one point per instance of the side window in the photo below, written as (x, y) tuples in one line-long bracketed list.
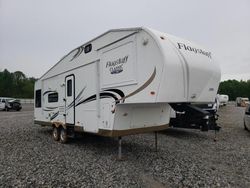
[(88, 48), (69, 88), (3, 100), (38, 100), (53, 97)]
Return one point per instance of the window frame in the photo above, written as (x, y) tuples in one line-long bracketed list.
[(69, 89), (88, 48), (38, 94), (52, 98)]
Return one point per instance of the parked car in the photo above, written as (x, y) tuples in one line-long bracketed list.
[(242, 101), (10, 104), (247, 118)]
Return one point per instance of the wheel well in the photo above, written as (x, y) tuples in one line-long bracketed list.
[(59, 125)]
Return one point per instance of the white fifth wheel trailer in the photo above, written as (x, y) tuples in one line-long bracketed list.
[(127, 81)]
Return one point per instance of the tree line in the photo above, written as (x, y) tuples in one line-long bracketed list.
[(234, 88), (16, 85)]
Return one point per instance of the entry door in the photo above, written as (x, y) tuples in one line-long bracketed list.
[(70, 99)]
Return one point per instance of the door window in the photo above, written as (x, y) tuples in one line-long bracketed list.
[(69, 88)]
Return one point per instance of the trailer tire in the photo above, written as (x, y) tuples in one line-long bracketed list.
[(56, 133), (63, 135)]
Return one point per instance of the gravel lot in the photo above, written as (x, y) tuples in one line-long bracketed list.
[(185, 158)]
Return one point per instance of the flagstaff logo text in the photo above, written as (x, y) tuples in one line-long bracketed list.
[(195, 50), (116, 66)]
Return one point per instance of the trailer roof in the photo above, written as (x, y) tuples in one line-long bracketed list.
[(136, 29)]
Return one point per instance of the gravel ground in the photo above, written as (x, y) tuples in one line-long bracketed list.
[(185, 158)]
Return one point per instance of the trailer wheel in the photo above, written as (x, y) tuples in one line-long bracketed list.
[(56, 133), (63, 135)]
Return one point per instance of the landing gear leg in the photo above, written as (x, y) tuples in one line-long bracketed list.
[(156, 142), (215, 136), (119, 148)]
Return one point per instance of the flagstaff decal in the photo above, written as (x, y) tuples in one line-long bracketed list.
[(116, 66), (195, 50)]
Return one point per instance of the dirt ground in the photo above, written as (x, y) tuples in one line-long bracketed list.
[(185, 158)]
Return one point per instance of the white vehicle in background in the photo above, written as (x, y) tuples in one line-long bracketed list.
[(242, 101), (4, 103), (223, 99), (127, 81), (7, 104), (216, 103), (247, 118)]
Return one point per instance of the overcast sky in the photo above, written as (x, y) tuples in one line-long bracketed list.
[(34, 34)]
